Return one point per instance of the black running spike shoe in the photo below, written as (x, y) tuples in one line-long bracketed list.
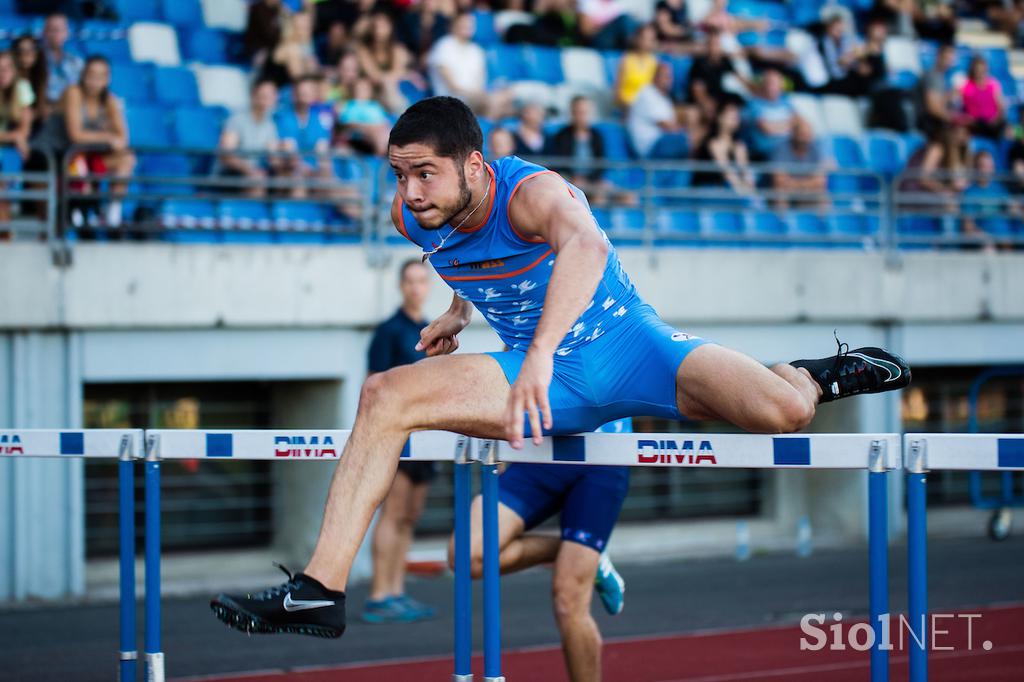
[(864, 370), (301, 606)]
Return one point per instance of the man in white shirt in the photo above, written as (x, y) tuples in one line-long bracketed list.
[(652, 122), (458, 68)]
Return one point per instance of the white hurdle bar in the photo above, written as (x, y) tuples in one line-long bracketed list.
[(123, 445), (924, 452)]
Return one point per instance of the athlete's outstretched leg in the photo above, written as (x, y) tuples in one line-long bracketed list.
[(462, 393), (714, 382)]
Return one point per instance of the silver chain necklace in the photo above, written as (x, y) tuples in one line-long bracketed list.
[(428, 254)]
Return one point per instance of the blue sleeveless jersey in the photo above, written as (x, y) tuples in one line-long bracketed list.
[(505, 275)]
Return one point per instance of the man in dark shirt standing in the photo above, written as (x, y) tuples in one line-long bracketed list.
[(394, 343)]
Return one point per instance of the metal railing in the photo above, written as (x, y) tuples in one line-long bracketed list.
[(186, 195), (28, 200)]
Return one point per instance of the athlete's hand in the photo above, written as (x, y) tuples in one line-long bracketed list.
[(440, 336), (530, 395)]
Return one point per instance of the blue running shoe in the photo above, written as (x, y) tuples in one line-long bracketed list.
[(386, 610), (415, 609), (610, 586)]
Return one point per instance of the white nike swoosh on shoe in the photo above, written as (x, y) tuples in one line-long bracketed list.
[(304, 604), (884, 364)]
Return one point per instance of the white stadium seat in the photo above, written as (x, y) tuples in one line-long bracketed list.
[(842, 116), (156, 43), (808, 107), (901, 54), (584, 65), (226, 14), (226, 86)]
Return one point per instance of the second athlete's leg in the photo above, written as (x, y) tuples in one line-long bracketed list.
[(517, 551), (462, 393), (714, 382), (572, 586)]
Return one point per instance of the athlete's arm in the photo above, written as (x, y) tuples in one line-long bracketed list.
[(545, 210), (438, 337)]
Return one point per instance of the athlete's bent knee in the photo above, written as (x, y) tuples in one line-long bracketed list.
[(569, 598)]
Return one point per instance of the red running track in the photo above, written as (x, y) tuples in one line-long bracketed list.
[(760, 655)]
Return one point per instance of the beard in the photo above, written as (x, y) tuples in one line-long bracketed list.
[(447, 213)]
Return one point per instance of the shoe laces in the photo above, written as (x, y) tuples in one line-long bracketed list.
[(273, 592), (842, 350)]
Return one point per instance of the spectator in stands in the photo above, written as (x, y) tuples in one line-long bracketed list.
[(263, 28), (31, 63), (982, 98), (364, 120), (254, 133), (334, 45), (15, 118), (65, 68), (637, 66), (302, 130), (729, 25), (986, 203), (458, 68), (939, 167), (294, 56), (724, 148), (93, 116), (384, 60), (855, 69), (500, 143), (672, 21), (1015, 155), (584, 144), (801, 174), (606, 24), (925, 19), (771, 115), (935, 96), (420, 29), (529, 134), (554, 22), (652, 121), (706, 91)]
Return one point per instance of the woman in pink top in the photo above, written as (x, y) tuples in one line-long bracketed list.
[(982, 98)]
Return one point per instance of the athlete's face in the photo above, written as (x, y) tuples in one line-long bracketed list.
[(434, 188)]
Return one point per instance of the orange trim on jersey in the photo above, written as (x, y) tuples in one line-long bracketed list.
[(463, 278), (493, 183), (401, 220), (508, 206)]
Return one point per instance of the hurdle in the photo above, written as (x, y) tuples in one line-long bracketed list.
[(285, 445), (876, 453), (926, 452), (122, 445)]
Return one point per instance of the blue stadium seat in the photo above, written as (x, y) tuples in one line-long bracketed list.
[(677, 222), (188, 220), (133, 10), (133, 82), (206, 45), (198, 127), (627, 219), (768, 224), (616, 142), (302, 222), (542, 64), (114, 50), (183, 13), (244, 221), (998, 61), (918, 225), (723, 223), (808, 224), (505, 62), (172, 165), (611, 63), (601, 216), (147, 126), (101, 29), (486, 35), (680, 73), (176, 85), (885, 152)]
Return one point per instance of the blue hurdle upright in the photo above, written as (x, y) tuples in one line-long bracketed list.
[(942, 452)]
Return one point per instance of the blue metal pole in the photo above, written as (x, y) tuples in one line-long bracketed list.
[(463, 578), (878, 572), (492, 586), (154, 656), (126, 526), (917, 546)]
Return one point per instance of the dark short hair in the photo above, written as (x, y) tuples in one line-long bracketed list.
[(406, 265), (260, 83), (576, 99), (445, 124)]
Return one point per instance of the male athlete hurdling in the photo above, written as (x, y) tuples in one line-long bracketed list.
[(519, 243)]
